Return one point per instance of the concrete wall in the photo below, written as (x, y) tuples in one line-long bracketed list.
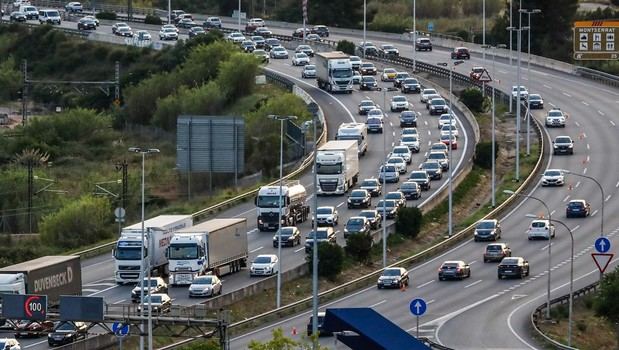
[(104, 341)]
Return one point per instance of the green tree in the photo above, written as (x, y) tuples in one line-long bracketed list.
[(408, 221), (281, 342), (483, 154), (194, 70), (359, 247), (202, 345), (237, 76), (473, 99), (346, 47), (10, 79), (330, 260), (605, 303)]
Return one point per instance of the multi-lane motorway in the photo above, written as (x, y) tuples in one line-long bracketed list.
[(480, 312)]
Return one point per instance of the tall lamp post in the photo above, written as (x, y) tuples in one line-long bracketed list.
[(365, 10), (519, 30), (144, 152), (414, 35), (549, 244), (281, 120), (384, 90), (529, 13)]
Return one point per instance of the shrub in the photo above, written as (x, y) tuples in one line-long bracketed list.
[(473, 99), (605, 303), (106, 15), (346, 47), (483, 154), (330, 260), (359, 247), (151, 19), (408, 221), (581, 325)]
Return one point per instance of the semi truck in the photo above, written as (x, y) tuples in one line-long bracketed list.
[(354, 131), (158, 233), (337, 166), (334, 71), (217, 246), (294, 207)]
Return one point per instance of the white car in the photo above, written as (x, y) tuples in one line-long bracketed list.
[(264, 265), (9, 344), (375, 113), (555, 118), (399, 103), (205, 286), (279, 52), (410, 141), (74, 6), (300, 59), (154, 284), (553, 177), (541, 229), (524, 93), (168, 34), (356, 62), (142, 35), (445, 130), (399, 164), (326, 216), (439, 146), (170, 26), (446, 119), (402, 151), (439, 157), (410, 131), (159, 303), (236, 37), (309, 71), (425, 93)]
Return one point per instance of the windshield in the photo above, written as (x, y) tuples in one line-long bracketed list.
[(409, 185), (431, 165), (66, 326), (128, 253), (409, 139), (354, 223), (286, 231), (493, 247), (401, 150), (391, 272), (368, 214), (323, 211), (183, 251), (388, 168), (310, 67), (394, 160), (410, 81), (342, 73), (555, 114), (203, 280), (357, 193), (390, 203), (485, 225), (369, 183), (270, 201), (552, 173), (563, 140), (538, 224), (418, 175), (429, 92), (575, 205), (535, 97), (391, 195), (263, 260), (437, 156), (329, 169), (399, 99), (319, 235), (507, 261), (367, 104), (368, 79), (155, 299), (437, 101)]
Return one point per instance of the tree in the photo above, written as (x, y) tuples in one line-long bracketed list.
[(408, 221), (330, 260), (605, 303), (359, 247), (237, 76), (346, 47), (280, 342), (202, 345), (10, 79), (483, 154), (473, 99)]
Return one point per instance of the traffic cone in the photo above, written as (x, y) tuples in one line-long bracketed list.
[(294, 331), (403, 287)]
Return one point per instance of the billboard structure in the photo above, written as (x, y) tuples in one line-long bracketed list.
[(596, 40)]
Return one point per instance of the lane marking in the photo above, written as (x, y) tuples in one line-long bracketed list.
[(425, 284), (547, 87), (252, 231), (584, 171), (552, 212), (380, 302), (300, 249), (339, 205), (566, 94), (588, 148), (577, 184), (472, 284), (566, 198), (584, 103), (103, 290), (612, 122), (607, 198), (577, 124), (600, 112), (257, 249)]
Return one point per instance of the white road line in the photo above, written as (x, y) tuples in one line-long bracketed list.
[(566, 198), (545, 247), (575, 228), (584, 171), (612, 122), (120, 301), (34, 344), (584, 103), (577, 184), (472, 284), (547, 87), (587, 155), (552, 212), (431, 301), (380, 302), (100, 284), (588, 148), (577, 124), (566, 94), (429, 133), (252, 231), (425, 122), (594, 212), (300, 249), (391, 124), (393, 133), (103, 290), (88, 290), (607, 198), (255, 250), (552, 104), (617, 184), (425, 284), (472, 262), (600, 112), (339, 205)]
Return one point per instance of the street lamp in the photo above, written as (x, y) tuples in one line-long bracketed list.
[(281, 120), (144, 152), (414, 35), (549, 243), (529, 13), (365, 10), (384, 90), (519, 30)]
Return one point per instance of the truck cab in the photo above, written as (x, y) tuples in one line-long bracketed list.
[(293, 207), (334, 71)]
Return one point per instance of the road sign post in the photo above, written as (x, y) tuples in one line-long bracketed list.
[(596, 40), (120, 330), (602, 244), (418, 307)]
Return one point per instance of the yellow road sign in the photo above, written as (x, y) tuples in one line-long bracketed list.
[(596, 40)]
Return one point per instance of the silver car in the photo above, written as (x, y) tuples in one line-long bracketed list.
[(205, 286)]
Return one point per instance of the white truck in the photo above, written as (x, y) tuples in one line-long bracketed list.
[(294, 207), (337, 166), (334, 71), (158, 233), (354, 131), (218, 246)]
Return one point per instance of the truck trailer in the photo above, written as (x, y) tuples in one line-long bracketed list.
[(354, 131), (334, 71), (294, 207), (217, 246), (337, 167)]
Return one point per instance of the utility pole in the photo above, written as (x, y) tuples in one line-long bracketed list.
[(24, 94), (30, 193)]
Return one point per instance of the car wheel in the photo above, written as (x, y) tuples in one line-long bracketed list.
[(441, 278), (499, 276)]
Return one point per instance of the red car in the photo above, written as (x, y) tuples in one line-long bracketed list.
[(460, 53), (454, 141), (33, 328)]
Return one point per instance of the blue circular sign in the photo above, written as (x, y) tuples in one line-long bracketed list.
[(602, 244), (120, 329), (418, 307)]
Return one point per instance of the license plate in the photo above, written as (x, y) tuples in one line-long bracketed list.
[(508, 271)]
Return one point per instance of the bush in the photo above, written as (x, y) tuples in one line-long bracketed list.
[(359, 247), (346, 47), (473, 99), (106, 15), (408, 221), (483, 154), (605, 303), (151, 19), (330, 260)]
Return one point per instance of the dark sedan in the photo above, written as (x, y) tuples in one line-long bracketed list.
[(578, 208), (67, 332), (375, 219), (195, 31), (291, 236), (86, 24), (536, 101), (359, 199), (513, 267), (411, 190), (367, 69), (454, 270), (17, 17), (368, 82)]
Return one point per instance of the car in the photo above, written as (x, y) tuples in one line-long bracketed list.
[(577, 208), (388, 50), (143, 35), (263, 31), (489, 229), (195, 31), (49, 16), (357, 225), (553, 177), (291, 236), (300, 59), (326, 216), (126, 31), (373, 216), (423, 44), (319, 325), (460, 53), (170, 26), (425, 93), (393, 277), (355, 61), (402, 151), (408, 118), (524, 93), (397, 196), (365, 106), (399, 103), (372, 185), (86, 24), (255, 23), (356, 77), (446, 119), (313, 38), (541, 228), (212, 22), (9, 344), (422, 178), (34, 328), (236, 37), (496, 252), (158, 303), (306, 49), (449, 140), (279, 52), (182, 16), (513, 267), (93, 18), (321, 30), (388, 208), (186, 23), (264, 265), (263, 56), (388, 173), (439, 146), (154, 284), (67, 332), (410, 189), (368, 82), (270, 43), (450, 130), (360, 198), (410, 85), (119, 25), (168, 34), (322, 234), (410, 141), (367, 68), (375, 113), (454, 269), (399, 163), (205, 286), (563, 145), (476, 72), (248, 46), (535, 101), (369, 48), (375, 124), (555, 118), (258, 41), (440, 157), (175, 14), (434, 170), (74, 6), (17, 16), (309, 71), (30, 11), (399, 78), (438, 106), (388, 74), (410, 132), (301, 32)]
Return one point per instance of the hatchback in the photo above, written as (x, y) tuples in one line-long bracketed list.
[(496, 252), (454, 270), (578, 208)]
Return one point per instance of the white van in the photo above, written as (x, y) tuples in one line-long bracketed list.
[(49, 16), (30, 11)]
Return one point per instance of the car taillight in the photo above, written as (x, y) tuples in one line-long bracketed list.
[(458, 269)]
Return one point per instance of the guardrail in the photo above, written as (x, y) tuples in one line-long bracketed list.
[(539, 311), (69, 31), (99, 6), (605, 78)]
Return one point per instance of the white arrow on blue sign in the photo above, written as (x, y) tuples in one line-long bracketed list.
[(120, 329), (602, 244), (418, 307)]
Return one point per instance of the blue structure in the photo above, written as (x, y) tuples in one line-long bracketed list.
[(372, 330)]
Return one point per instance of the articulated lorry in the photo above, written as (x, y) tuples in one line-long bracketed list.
[(334, 71), (217, 246), (158, 233), (337, 167), (294, 207)]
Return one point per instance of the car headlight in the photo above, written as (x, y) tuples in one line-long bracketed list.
[(555, 146)]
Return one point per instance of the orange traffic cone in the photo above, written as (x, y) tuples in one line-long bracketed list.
[(294, 331), (403, 287)]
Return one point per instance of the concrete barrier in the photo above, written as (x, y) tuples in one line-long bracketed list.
[(103, 341)]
